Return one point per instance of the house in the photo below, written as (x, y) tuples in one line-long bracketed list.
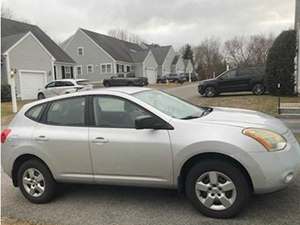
[(164, 56), (178, 65), (32, 56), (99, 56)]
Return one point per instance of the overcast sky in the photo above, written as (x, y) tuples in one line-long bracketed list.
[(173, 22)]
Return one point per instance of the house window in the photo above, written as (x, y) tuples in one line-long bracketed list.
[(118, 68), (79, 70), (80, 51), (90, 68), (127, 69), (68, 73), (122, 68), (106, 68)]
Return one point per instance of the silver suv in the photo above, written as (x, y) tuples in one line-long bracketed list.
[(144, 137)]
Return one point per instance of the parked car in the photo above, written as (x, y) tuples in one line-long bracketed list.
[(125, 80), (235, 80), (218, 157), (194, 77), (172, 78), (65, 86)]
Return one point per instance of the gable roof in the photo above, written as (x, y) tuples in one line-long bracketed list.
[(12, 31), (160, 53), (118, 49), (8, 41)]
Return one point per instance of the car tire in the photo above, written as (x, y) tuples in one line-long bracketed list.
[(258, 89), (41, 96), (210, 92), (36, 181), (106, 84), (212, 198)]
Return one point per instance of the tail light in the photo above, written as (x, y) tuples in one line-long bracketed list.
[(4, 135)]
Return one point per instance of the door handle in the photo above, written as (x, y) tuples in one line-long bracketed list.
[(41, 138), (100, 140)]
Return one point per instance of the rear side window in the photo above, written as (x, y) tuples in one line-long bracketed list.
[(67, 112), (34, 113)]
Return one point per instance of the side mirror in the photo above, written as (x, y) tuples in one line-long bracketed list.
[(150, 122)]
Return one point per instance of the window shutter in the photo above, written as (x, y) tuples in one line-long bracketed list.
[(63, 72), (72, 76)]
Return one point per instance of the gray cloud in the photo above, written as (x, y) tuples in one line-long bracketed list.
[(162, 21)]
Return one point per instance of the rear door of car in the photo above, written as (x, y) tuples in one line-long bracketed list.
[(62, 135), (234, 80)]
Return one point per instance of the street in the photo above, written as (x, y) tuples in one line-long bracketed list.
[(95, 204)]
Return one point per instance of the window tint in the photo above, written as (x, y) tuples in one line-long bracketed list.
[(68, 83), (115, 112), (68, 112), (229, 75), (52, 84), (35, 112)]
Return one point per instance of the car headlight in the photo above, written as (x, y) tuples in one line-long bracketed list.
[(270, 140)]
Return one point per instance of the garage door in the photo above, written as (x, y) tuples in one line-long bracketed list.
[(30, 82), (151, 75)]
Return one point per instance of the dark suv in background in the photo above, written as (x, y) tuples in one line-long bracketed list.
[(235, 80)]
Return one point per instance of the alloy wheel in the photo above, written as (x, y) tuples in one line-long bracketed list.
[(215, 190), (33, 182)]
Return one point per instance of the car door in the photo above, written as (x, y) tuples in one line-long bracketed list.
[(228, 82), (49, 89), (122, 154), (63, 136)]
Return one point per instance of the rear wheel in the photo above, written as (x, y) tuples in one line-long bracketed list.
[(36, 181), (258, 89), (106, 84), (41, 96), (210, 92), (217, 188)]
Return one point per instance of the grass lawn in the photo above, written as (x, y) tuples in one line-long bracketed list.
[(264, 103), (167, 86)]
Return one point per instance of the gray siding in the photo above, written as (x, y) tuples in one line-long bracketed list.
[(166, 66), (92, 55), (138, 69), (179, 67), (3, 72), (150, 62), (29, 55)]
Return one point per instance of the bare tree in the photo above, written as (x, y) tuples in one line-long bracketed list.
[(125, 35), (209, 60), (7, 12), (247, 51)]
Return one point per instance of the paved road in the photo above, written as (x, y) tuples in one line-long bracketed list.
[(93, 204)]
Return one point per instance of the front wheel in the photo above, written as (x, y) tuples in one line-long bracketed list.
[(210, 92), (258, 89), (106, 84), (36, 181), (217, 188), (41, 96)]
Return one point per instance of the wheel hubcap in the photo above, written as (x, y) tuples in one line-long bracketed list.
[(215, 190), (33, 182)]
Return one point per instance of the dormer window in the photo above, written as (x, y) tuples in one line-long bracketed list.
[(80, 51)]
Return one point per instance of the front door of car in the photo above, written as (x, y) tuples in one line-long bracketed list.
[(230, 82), (122, 154), (62, 136)]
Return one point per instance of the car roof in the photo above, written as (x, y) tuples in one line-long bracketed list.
[(99, 91), (72, 80)]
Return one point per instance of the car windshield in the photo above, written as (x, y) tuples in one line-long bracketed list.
[(170, 105), (82, 82)]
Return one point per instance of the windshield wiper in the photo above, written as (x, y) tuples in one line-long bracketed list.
[(190, 117), (206, 111)]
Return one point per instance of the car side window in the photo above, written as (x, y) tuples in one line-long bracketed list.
[(34, 113), (59, 84), (229, 75), (50, 85), (68, 83), (67, 112), (114, 112)]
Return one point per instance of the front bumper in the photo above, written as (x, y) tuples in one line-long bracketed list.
[(201, 89), (276, 170)]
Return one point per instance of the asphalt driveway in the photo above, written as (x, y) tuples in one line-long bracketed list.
[(94, 204)]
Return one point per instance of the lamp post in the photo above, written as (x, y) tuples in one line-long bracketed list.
[(13, 90)]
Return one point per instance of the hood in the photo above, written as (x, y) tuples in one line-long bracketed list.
[(207, 80), (244, 118)]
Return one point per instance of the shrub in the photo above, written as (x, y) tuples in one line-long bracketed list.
[(5, 93), (280, 66)]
